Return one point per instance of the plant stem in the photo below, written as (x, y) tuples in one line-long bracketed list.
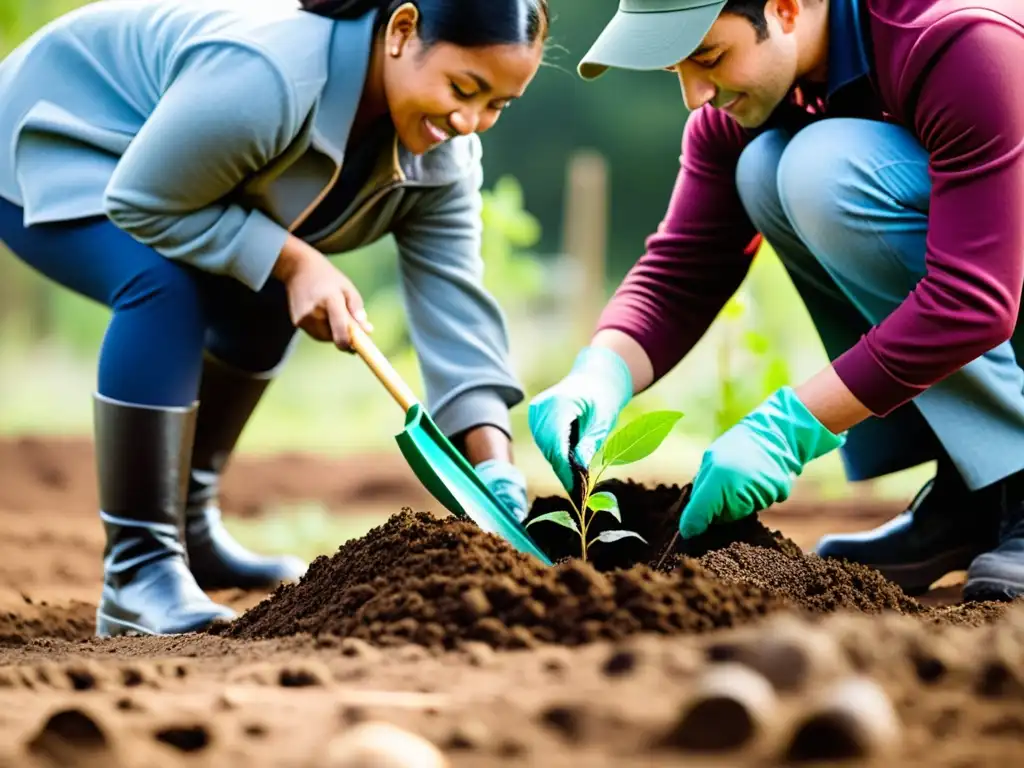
[(589, 484), (582, 523)]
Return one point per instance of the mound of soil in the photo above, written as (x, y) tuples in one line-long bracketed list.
[(443, 582), (815, 584), (439, 583)]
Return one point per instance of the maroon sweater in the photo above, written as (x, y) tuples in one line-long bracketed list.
[(950, 71)]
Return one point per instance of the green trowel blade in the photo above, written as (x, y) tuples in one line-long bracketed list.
[(453, 482)]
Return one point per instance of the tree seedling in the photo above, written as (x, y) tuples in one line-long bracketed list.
[(630, 443)]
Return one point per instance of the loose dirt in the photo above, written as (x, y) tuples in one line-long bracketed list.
[(31, 621), (742, 651), (439, 583), (442, 582)]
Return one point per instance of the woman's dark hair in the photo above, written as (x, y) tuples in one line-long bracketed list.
[(466, 23)]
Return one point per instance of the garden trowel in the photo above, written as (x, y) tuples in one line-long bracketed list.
[(444, 471)]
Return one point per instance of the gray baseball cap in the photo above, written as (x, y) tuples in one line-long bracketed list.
[(650, 34)]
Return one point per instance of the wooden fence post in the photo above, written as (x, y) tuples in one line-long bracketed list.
[(585, 236)]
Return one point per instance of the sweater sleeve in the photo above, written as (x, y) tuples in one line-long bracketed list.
[(969, 116), (225, 114), (699, 254), (457, 327)]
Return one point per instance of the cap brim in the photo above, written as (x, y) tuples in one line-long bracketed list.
[(648, 41)]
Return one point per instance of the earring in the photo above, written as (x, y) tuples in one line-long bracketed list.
[(394, 51)]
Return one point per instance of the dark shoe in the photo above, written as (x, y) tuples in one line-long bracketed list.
[(227, 398), (999, 574), (141, 459), (945, 527)]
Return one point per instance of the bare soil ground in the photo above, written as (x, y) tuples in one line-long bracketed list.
[(743, 651)]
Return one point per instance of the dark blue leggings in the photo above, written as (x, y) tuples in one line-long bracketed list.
[(164, 314)]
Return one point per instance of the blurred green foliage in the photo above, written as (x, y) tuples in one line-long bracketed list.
[(512, 275)]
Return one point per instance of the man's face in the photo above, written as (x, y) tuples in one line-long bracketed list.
[(740, 74)]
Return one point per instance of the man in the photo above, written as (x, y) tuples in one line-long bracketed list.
[(878, 146)]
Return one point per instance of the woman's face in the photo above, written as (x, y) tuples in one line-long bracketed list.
[(443, 91)]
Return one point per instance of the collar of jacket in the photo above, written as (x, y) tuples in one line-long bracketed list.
[(848, 56)]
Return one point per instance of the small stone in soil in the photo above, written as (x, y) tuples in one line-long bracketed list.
[(854, 720), (382, 745), (731, 707), (786, 651)]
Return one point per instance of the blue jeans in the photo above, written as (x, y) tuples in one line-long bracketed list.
[(844, 203), (164, 314)]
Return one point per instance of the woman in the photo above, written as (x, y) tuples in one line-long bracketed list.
[(188, 164)]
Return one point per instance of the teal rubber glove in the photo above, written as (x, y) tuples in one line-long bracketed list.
[(506, 482), (595, 391), (753, 464)]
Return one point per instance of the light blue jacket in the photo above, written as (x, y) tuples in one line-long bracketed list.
[(209, 129)]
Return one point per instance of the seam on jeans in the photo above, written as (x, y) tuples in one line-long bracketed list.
[(885, 246)]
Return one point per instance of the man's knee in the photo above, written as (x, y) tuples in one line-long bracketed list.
[(842, 182), (757, 179)]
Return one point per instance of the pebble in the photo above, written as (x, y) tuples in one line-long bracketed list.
[(853, 719), (382, 745), (731, 707), (788, 653)]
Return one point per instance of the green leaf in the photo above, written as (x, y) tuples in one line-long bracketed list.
[(597, 464), (561, 517), (610, 536), (605, 501), (638, 439)]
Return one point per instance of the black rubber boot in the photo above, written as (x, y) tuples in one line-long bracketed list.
[(227, 398), (999, 574), (945, 527), (141, 459)]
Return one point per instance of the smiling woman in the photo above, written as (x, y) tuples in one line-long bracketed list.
[(188, 164), (446, 67)]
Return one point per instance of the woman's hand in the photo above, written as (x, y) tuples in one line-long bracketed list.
[(507, 483), (321, 300), (489, 450)]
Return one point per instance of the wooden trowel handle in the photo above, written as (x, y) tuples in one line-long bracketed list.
[(381, 368)]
